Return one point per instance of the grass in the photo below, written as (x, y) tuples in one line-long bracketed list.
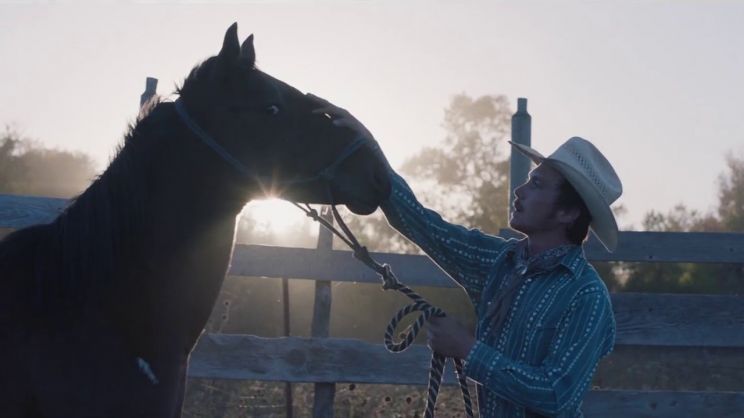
[(206, 398)]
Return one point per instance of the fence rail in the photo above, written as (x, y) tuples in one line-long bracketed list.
[(318, 360), (298, 359), (642, 319), (634, 246)]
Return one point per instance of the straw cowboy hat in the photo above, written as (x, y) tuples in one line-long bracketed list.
[(594, 179)]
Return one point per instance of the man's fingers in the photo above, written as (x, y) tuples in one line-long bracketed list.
[(436, 320), (332, 111), (344, 122), (325, 110), (317, 99), (430, 338), (326, 106), (434, 325)]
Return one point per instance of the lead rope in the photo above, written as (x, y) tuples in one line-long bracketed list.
[(391, 282)]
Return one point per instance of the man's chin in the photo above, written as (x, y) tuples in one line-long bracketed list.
[(516, 226)]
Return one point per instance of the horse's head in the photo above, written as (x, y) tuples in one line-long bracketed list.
[(269, 129)]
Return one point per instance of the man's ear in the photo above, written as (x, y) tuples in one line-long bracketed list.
[(568, 216)]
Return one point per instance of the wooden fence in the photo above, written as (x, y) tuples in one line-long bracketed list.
[(670, 323)]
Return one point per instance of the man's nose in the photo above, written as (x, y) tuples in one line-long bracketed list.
[(518, 191)]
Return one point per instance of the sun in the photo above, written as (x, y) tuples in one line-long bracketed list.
[(273, 215)]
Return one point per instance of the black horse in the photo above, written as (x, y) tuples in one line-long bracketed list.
[(100, 309)]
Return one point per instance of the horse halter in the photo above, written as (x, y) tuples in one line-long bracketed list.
[(327, 174), (360, 252)]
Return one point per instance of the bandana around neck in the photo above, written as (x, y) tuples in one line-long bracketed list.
[(547, 260)]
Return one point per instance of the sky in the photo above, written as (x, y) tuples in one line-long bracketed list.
[(656, 85)]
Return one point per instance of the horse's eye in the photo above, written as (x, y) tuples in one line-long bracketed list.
[(272, 110)]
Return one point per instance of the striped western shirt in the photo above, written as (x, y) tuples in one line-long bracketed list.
[(540, 359)]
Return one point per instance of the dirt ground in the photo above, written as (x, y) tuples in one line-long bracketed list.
[(228, 399)]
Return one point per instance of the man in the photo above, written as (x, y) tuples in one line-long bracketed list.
[(544, 315)]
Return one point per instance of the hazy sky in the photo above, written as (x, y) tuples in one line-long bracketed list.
[(656, 85)]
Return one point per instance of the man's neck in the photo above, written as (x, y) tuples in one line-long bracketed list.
[(541, 243)]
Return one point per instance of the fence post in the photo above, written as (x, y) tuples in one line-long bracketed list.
[(151, 87), (324, 392), (288, 398), (521, 127)]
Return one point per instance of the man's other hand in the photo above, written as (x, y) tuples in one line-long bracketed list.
[(449, 337)]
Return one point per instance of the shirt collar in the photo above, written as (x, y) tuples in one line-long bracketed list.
[(571, 256), (574, 259)]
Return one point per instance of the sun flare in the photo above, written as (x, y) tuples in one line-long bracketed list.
[(273, 215)]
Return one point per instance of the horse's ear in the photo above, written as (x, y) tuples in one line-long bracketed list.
[(231, 45), (248, 53)]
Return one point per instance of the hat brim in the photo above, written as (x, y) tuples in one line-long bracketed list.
[(528, 152), (603, 225)]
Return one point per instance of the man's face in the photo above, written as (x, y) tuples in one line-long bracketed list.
[(535, 203)]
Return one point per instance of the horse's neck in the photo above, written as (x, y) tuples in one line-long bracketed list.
[(160, 235), (188, 249)]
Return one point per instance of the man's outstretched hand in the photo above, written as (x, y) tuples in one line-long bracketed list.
[(343, 118)]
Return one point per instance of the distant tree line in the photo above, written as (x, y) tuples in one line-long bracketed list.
[(27, 167)]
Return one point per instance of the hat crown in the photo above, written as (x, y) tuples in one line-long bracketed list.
[(584, 157)]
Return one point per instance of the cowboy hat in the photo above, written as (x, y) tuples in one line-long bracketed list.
[(594, 179)]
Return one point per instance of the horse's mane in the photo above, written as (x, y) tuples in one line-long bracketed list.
[(94, 237), (196, 75), (91, 239)]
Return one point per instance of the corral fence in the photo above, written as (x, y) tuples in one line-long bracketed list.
[(691, 330)]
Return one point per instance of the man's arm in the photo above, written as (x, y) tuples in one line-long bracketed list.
[(467, 255), (585, 335)]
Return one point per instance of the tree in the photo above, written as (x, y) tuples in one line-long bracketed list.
[(696, 278), (26, 167), (464, 178), (662, 277), (468, 176), (731, 195), (723, 278)]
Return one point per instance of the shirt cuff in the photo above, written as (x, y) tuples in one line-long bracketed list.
[(481, 361)]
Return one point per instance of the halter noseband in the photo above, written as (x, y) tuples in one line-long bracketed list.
[(326, 174)]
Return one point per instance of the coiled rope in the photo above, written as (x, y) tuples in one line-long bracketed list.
[(391, 282)]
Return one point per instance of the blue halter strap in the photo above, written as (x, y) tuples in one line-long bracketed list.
[(327, 174)]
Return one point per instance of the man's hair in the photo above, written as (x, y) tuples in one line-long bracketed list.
[(569, 199)]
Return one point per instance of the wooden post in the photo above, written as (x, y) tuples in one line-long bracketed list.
[(324, 392), (521, 127), (288, 401), (151, 87)]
